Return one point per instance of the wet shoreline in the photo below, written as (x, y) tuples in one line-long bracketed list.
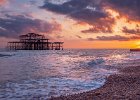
[(122, 86), (25, 74)]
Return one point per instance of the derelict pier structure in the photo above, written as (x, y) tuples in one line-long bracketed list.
[(33, 41)]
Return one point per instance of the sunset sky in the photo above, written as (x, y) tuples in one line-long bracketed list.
[(79, 23)]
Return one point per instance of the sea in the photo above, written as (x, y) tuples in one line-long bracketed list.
[(25, 75)]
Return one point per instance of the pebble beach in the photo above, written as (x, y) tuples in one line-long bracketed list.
[(122, 86)]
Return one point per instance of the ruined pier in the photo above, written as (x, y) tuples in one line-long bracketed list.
[(33, 41)]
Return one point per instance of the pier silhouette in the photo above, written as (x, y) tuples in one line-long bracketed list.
[(33, 41)]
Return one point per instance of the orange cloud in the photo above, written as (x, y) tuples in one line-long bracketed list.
[(122, 21)]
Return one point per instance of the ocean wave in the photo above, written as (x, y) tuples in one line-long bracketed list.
[(5, 55), (46, 88), (96, 61)]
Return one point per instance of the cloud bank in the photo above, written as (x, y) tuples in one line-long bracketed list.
[(90, 11), (14, 25), (94, 12), (127, 7), (113, 38)]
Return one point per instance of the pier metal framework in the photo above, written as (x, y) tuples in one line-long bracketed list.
[(33, 41)]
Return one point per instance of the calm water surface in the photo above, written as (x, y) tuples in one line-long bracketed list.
[(28, 74)]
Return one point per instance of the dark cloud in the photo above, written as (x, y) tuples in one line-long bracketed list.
[(99, 28), (13, 26), (110, 38), (90, 11), (102, 26), (131, 31), (93, 12), (78, 36), (134, 37), (91, 39), (32, 2), (59, 37), (113, 38), (86, 10), (127, 7)]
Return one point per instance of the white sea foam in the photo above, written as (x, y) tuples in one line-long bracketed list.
[(46, 88), (28, 74), (96, 62)]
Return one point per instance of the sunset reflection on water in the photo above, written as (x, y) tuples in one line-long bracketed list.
[(53, 73)]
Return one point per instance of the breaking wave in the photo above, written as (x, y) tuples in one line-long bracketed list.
[(47, 88), (96, 62), (5, 55)]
